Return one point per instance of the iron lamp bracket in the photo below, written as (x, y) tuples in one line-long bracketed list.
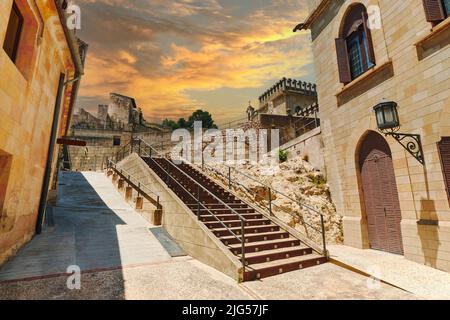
[(411, 142)]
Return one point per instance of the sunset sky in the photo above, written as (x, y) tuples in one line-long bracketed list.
[(177, 56)]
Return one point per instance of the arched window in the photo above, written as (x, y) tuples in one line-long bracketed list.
[(354, 46), (436, 10)]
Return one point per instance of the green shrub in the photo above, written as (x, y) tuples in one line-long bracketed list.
[(318, 180), (282, 155)]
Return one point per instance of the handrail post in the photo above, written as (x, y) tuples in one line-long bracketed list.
[(139, 189), (157, 202), (270, 201), (323, 235), (198, 202), (139, 146), (243, 243), (229, 178)]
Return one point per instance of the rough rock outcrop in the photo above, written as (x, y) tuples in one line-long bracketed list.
[(296, 180)]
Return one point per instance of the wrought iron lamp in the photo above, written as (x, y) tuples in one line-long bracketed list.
[(388, 123)]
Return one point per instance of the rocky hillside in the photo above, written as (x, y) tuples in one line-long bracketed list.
[(295, 179)]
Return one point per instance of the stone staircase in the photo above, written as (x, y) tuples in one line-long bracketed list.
[(269, 250)]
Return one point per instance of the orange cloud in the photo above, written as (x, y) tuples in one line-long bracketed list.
[(261, 50)]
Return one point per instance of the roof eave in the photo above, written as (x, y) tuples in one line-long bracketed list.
[(71, 40), (313, 16)]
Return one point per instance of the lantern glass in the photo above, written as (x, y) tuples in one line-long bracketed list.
[(388, 115), (380, 117)]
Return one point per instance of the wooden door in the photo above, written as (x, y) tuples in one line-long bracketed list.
[(381, 201), (444, 152)]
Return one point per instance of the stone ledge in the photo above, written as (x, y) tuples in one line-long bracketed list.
[(438, 38), (364, 83)]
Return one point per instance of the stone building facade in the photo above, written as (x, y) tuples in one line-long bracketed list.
[(109, 131), (121, 113), (104, 144), (390, 201), (41, 64), (289, 105), (287, 97)]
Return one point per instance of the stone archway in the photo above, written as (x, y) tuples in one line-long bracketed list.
[(380, 195)]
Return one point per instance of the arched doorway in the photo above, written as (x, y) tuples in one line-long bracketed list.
[(380, 194)]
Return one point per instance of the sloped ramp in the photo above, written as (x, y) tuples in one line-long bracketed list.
[(172, 248)]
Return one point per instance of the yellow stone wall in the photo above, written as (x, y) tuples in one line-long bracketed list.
[(421, 87), (27, 106)]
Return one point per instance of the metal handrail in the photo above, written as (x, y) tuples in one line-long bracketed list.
[(271, 190), (124, 173), (192, 179), (199, 186), (302, 128), (122, 150), (114, 165), (199, 202), (265, 185)]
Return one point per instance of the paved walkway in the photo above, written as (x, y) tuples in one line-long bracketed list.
[(187, 279), (96, 230), (93, 229), (421, 280)]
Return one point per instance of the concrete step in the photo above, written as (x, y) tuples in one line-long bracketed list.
[(269, 249), (237, 223), (276, 254), (259, 246), (224, 210), (220, 232), (218, 205), (230, 216), (262, 236), (267, 269)]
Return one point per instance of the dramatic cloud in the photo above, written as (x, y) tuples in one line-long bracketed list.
[(176, 56)]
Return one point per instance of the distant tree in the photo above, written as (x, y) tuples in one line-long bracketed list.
[(170, 124), (182, 123), (203, 116), (199, 115)]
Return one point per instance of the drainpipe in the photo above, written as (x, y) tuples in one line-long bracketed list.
[(51, 150), (75, 54), (41, 21), (78, 63)]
